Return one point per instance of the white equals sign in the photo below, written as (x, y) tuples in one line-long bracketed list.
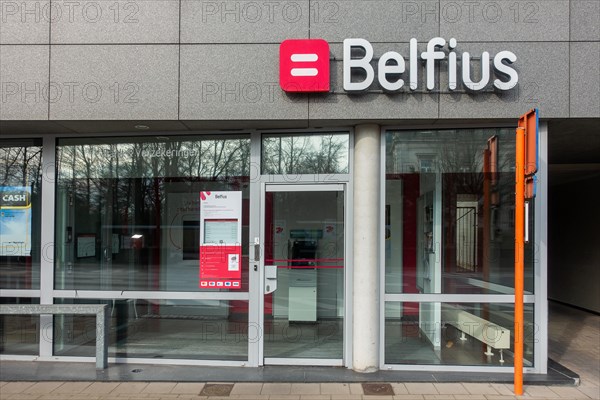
[(304, 58)]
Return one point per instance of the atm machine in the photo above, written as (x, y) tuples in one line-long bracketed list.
[(302, 300)]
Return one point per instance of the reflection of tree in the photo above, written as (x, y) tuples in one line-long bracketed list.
[(329, 154), (21, 166), (127, 180), (464, 158), (305, 154)]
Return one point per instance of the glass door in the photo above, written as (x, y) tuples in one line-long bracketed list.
[(303, 231)]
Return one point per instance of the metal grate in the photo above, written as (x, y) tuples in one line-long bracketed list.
[(216, 389), (378, 389)]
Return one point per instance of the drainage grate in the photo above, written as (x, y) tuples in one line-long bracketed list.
[(216, 389), (378, 389)]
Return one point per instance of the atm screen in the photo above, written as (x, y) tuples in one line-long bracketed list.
[(303, 251), (220, 231)]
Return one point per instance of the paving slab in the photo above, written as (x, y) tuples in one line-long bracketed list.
[(129, 388), (399, 388), (15, 387), (276, 388), (541, 391), (159, 387), (305, 388), (568, 392), (43, 387), (71, 387), (245, 388), (450, 388), (480, 388), (188, 388), (347, 397), (421, 388), (335, 388), (591, 391)]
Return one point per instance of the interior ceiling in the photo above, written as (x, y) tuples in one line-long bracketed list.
[(571, 141), (574, 141)]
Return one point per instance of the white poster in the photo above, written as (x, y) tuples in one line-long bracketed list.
[(15, 221), (86, 245)]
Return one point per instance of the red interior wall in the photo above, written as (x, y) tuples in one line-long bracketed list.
[(409, 233)]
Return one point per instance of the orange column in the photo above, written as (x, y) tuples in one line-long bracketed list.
[(519, 257)]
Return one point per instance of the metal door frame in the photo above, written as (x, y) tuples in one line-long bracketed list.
[(256, 338)]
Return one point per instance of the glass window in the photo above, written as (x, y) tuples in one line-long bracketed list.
[(449, 216), (455, 334), (20, 200), (128, 209), (19, 334), (305, 154), (170, 329)]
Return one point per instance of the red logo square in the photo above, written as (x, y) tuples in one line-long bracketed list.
[(304, 65)]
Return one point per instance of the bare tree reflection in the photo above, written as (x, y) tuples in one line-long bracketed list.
[(21, 166), (313, 154)]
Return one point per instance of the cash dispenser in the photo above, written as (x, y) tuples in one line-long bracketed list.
[(302, 306)]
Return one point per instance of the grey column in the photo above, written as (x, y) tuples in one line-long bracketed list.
[(365, 299)]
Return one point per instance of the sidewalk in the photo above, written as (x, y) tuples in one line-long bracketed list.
[(280, 391)]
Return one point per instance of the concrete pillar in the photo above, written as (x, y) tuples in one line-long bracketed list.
[(365, 299)]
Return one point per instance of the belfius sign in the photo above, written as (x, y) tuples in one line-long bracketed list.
[(304, 67)]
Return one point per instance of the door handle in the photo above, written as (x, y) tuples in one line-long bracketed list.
[(270, 278), (257, 252)]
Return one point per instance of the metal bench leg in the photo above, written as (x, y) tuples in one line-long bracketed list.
[(489, 351), (501, 357), (462, 336)]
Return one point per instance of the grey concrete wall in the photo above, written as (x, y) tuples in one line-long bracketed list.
[(218, 60), (573, 258)]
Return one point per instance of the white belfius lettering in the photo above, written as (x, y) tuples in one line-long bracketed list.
[(392, 65)]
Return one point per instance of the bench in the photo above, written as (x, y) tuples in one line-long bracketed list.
[(492, 335), (100, 310)]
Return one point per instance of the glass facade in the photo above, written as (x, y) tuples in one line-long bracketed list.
[(127, 234), (449, 230)]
